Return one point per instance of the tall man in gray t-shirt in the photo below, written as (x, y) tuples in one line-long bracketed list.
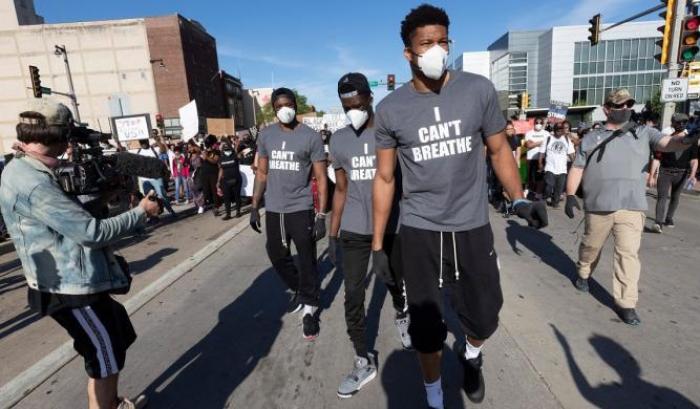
[(353, 156), (288, 152), (613, 164), (438, 125)]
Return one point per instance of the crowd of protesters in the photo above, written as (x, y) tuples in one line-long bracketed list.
[(205, 171), (545, 153)]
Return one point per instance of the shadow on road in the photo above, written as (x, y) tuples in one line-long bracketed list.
[(141, 266), (207, 374), (632, 391), (18, 322), (542, 245)]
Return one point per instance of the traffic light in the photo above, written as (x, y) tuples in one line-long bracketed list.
[(36, 81), (689, 39), (594, 29), (390, 82), (666, 30), (523, 100), (159, 121)]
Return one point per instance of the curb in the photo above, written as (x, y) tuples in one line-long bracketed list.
[(23, 384)]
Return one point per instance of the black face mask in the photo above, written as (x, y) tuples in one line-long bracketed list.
[(619, 116)]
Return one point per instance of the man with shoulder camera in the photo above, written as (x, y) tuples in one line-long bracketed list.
[(612, 165), (70, 268)]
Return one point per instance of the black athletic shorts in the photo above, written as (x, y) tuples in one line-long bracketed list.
[(101, 332), (475, 284)]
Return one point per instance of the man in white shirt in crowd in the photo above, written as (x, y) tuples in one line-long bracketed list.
[(555, 153), (533, 140)]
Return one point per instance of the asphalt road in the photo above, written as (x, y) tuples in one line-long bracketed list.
[(219, 337)]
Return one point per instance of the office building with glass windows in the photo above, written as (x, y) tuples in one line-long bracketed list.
[(560, 65)]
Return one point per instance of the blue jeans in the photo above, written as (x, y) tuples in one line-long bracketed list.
[(157, 185), (181, 181)]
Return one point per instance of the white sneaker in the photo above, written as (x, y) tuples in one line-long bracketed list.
[(138, 403), (402, 322), (201, 210)]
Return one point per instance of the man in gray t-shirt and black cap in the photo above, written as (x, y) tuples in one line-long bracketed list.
[(612, 162), (288, 153), (353, 156), (438, 125)]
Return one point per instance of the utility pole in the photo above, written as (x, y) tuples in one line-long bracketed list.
[(673, 66), (61, 50)]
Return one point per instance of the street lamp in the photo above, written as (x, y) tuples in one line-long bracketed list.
[(61, 51)]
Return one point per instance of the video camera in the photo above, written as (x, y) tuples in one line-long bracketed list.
[(96, 178)]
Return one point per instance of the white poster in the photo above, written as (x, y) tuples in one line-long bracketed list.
[(189, 120), (247, 178), (132, 127)]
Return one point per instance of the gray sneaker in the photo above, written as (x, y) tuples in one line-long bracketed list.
[(362, 373), (402, 321)]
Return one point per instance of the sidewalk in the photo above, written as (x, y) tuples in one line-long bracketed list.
[(24, 338)]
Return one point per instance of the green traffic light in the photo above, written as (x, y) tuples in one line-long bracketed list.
[(689, 54)]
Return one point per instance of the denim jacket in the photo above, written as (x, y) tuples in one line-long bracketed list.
[(63, 249)]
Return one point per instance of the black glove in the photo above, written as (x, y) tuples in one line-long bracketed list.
[(333, 249), (571, 202), (380, 267), (255, 220), (319, 231), (534, 212)]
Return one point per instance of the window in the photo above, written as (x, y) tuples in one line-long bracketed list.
[(612, 64)]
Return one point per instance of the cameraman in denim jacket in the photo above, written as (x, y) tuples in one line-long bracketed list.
[(65, 254)]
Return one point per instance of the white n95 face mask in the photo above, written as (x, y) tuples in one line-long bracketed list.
[(357, 118), (433, 62), (286, 115)]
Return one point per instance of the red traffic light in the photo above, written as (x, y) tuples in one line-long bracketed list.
[(692, 24)]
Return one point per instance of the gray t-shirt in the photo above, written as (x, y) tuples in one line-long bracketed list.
[(290, 155), (356, 155), (618, 181), (440, 143)]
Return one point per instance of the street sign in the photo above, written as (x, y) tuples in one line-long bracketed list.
[(694, 80), (674, 90), (373, 84), (46, 91)]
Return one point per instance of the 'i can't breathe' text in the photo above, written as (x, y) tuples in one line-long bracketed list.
[(441, 140)]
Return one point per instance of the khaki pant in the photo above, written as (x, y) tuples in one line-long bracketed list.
[(626, 227)]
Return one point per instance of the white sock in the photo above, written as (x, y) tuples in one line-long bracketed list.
[(434, 394), (309, 310), (471, 352)]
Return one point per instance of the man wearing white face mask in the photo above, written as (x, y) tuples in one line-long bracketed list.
[(353, 156), (288, 153), (438, 125), (533, 141)]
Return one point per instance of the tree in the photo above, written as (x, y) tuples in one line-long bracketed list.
[(302, 104), (655, 104), (264, 115)]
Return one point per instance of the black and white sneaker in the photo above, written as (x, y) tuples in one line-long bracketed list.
[(473, 383), (310, 326), (669, 223), (402, 321), (294, 304)]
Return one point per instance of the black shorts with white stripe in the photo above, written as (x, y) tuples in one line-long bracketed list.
[(101, 332)]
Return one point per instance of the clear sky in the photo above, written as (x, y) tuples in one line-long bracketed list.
[(309, 44)]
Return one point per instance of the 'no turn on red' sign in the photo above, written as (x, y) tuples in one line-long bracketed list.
[(674, 90)]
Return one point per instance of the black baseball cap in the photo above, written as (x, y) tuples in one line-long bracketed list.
[(353, 83)]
